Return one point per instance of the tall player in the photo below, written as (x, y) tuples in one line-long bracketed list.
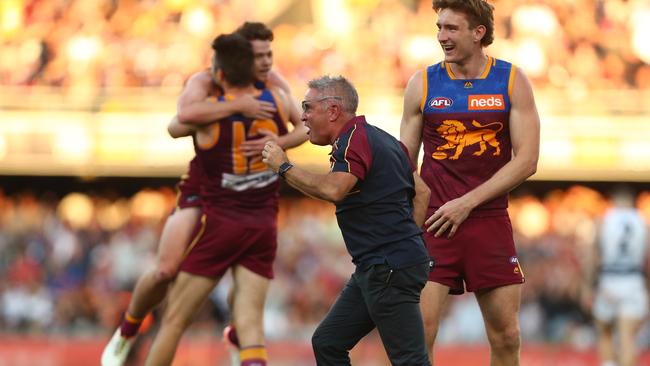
[(621, 300), (477, 119), (238, 227), (194, 107)]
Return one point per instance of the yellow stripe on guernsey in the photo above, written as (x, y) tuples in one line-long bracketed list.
[(278, 106), (184, 177), (511, 80), (345, 156), (197, 237), (214, 128), (488, 66), (425, 89), (253, 353)]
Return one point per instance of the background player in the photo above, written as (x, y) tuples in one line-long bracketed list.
[(478, 120), (194, 107), (621, 299)]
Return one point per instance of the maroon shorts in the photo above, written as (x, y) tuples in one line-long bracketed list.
[(220, 242), (481, 254), (188, 192)]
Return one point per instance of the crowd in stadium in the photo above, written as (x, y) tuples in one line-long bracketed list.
[(67, 264), (88, 45)]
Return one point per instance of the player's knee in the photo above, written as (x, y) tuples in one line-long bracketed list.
[(507, 340), (166, 272)]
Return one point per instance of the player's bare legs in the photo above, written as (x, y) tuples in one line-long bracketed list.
[(248, 298), (500, 308), (628, 329), (151, 287), (432, 301), (605, 342), (186, 296)]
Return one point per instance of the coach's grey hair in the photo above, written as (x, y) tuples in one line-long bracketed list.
[(337, 87)]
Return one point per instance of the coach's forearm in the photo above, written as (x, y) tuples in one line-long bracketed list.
[(315, 185)]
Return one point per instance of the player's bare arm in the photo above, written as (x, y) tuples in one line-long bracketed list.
[(289, 140), (276, 80), (296, 136), (194, 107), (332, 187), (524, 135), (177, 129), (421, 199), (410, 132)]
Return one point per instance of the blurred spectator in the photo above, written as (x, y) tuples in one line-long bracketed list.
[(63, 275), (92, 44), (65, 261)]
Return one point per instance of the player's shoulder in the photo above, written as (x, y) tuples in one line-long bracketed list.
[(203, 76), (276, 80), (277, 93), (425, 70)]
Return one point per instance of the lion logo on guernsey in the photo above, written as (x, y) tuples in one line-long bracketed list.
[(458, 137), (440, 103)]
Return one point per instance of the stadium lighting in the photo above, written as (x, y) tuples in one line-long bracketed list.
[(531, 57), (421, 49), (641, 26), (3, 147), (83, 48), (11, 17), (335, 16), (197, 21)]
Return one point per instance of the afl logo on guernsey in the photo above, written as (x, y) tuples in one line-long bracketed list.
[(441, 103)]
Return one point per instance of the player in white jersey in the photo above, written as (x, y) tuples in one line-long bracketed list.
[(621, 298)]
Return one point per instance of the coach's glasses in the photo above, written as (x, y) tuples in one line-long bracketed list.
[(306, 104)]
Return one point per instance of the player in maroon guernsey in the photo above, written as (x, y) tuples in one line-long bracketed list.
[(476, 117), (194, 107), (238, 226)]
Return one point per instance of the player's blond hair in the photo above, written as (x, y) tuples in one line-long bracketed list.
[(478, 12)]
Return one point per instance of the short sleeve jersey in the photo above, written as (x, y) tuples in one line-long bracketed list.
[(376, 217)]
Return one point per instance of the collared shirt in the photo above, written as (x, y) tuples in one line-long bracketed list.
[(376, 217)]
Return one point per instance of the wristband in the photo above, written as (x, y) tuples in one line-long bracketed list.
[(284, 168)]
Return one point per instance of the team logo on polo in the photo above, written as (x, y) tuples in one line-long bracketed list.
[(441, 103), (486, 102), (514, 260)]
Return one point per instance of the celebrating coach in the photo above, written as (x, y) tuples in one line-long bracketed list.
[(380, 206)]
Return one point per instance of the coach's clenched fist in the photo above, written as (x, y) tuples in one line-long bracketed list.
[(274, 156)]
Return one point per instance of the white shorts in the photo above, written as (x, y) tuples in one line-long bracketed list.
[(620, 296)]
